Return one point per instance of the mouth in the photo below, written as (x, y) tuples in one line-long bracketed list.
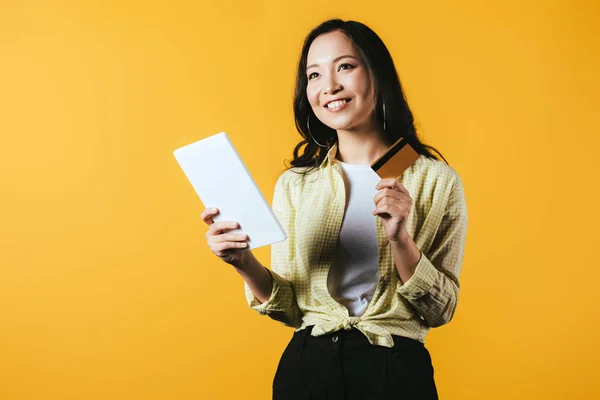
[(337, 104)]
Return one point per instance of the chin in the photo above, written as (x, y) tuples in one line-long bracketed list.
[(339, 125), (342, 127)]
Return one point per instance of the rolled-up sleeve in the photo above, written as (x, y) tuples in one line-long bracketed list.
[(433, 288), (282, 305)]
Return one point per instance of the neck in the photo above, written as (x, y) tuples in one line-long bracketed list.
[(360, 148)]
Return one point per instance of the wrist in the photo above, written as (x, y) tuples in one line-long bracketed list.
[(244, 261), (403, 240)]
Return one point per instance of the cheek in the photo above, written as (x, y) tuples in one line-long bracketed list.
[(366, 90), (366, 98), (313, 95), (362, 85)]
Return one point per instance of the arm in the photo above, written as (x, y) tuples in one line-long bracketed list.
[(271, 293), (431, 284), (256, 276)]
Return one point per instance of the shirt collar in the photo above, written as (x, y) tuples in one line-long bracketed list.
[(330, 158)]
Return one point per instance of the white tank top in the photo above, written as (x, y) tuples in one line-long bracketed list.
[(354, 274)]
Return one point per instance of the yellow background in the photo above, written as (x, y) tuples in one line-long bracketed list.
[(107, 287)]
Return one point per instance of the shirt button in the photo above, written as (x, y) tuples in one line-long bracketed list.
[(334, 339)]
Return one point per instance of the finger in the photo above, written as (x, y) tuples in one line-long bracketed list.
[(230, 237), (389, 209), (220, 227), (392, 183), (221, 248), (387, 192), (387, 182), (207, 215), (391, 201)]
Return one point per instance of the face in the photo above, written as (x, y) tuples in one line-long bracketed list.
[(339, 87)]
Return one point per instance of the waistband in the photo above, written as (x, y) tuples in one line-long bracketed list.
[(348, 338)]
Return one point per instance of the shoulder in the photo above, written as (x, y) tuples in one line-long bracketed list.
[(289, 186), (434, 172), (435, 187), (294, 177)]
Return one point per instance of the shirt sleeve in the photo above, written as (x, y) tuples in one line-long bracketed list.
[(433, 288), (282, 305)]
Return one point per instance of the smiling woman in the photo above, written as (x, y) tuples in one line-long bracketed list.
[(346, 61), (361, 286)]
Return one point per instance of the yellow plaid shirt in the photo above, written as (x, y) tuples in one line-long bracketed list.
[(311, 211)]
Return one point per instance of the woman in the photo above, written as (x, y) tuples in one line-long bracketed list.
[(370, 264)]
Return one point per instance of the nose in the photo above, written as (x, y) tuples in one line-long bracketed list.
[(332, 86)]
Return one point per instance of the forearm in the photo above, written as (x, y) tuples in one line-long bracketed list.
[(432, 293), (256, 276), (430, 281), (406, 256), (269, 293)]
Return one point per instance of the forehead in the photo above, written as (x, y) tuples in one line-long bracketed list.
[(329, 46)]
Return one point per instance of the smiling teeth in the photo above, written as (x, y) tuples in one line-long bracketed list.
[(336, 104)]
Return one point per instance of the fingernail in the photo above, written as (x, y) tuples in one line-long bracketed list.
[(232, 224)]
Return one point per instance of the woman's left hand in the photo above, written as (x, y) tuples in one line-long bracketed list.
[(393, 204)]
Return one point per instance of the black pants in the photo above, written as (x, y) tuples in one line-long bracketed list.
[(345, 366)]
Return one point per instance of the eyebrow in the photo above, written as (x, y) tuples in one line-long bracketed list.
[(334, 61)]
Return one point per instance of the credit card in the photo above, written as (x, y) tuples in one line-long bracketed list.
[(395, 160)]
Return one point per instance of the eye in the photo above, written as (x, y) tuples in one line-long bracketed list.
[(346, 65), (310, 76)]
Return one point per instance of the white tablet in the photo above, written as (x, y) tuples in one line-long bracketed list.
[(221, 180)]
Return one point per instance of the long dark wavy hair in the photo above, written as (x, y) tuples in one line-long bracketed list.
[(388, 91)]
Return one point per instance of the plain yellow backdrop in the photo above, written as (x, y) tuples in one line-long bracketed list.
[(107, 287)]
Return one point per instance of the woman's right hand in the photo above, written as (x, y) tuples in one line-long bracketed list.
[(229, 247)]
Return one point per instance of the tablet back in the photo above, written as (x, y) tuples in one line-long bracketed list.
[(221, 180)]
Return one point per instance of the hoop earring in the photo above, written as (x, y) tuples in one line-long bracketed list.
[(384, 117), (312, 137)]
